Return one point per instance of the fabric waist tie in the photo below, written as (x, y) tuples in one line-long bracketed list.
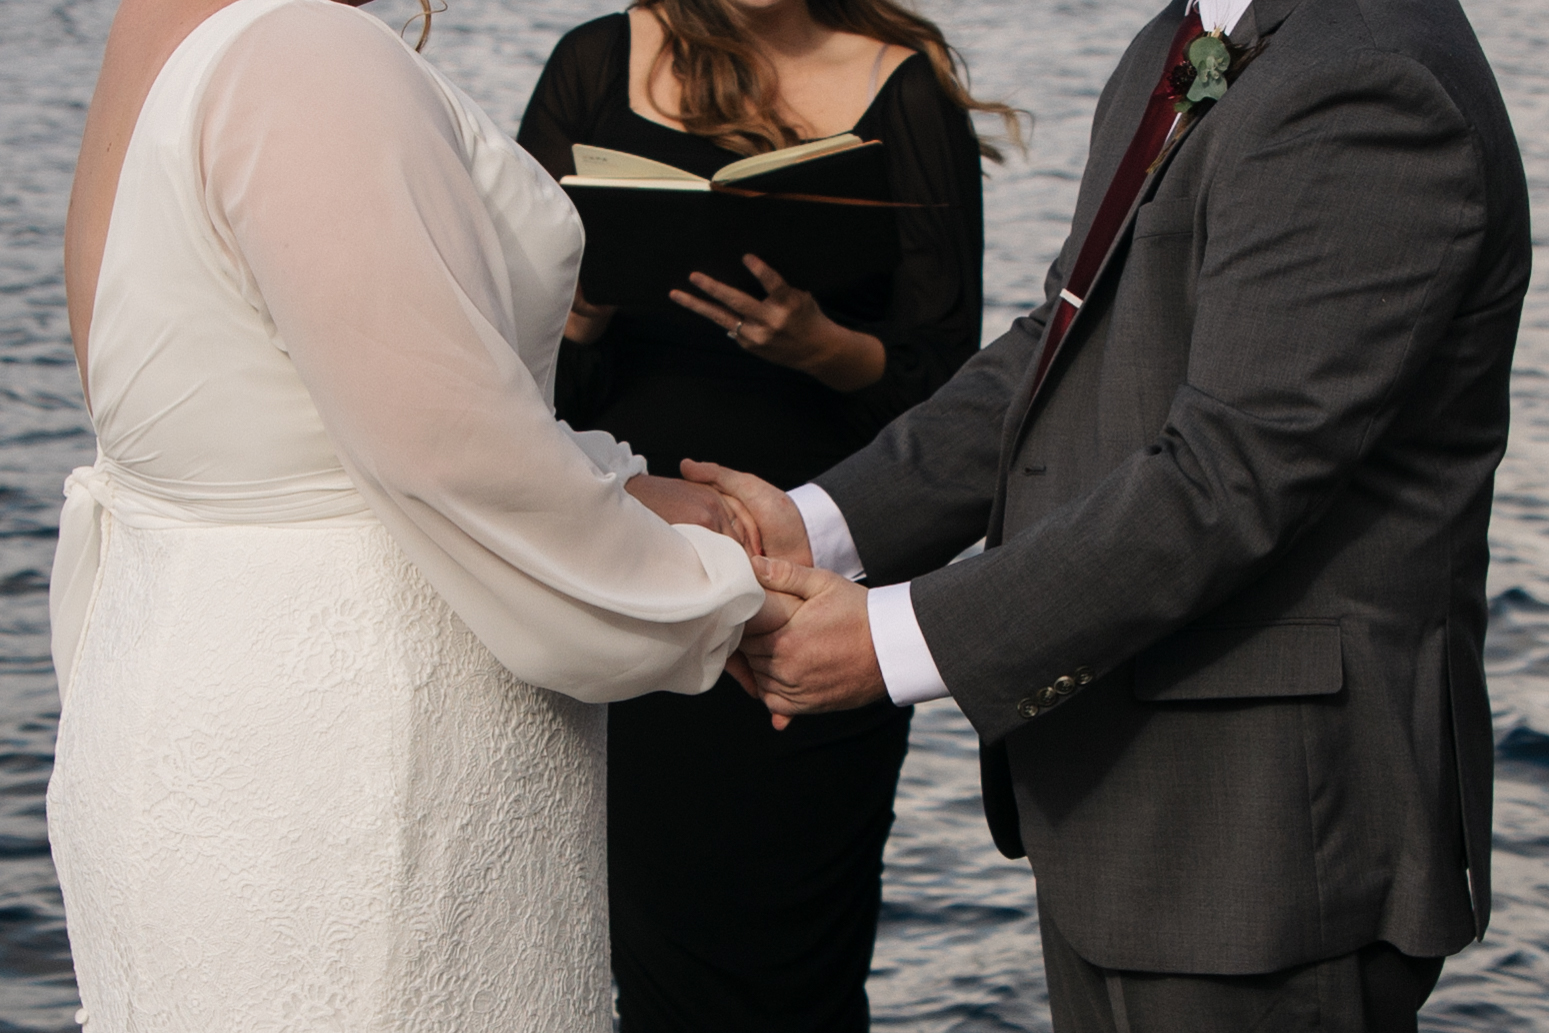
[(98, 496), (77, 564)]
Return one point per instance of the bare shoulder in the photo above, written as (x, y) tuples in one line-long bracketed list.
[(894, 56), (350, 61), (306, 29)]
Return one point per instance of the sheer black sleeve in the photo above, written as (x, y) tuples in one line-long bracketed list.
[(571, 91), (936, 308), (588, 62)]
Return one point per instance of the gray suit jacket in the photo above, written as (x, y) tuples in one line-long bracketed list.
[(1224, 649)]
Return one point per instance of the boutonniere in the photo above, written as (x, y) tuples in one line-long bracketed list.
[(1210, 64)]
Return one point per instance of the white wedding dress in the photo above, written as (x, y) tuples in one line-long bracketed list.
[(333, 538)]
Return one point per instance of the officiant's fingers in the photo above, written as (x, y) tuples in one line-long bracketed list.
[(737, 318), (767, 277), (721, 317), (744, 305)]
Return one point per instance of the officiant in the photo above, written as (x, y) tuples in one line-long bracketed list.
[(744, 889)]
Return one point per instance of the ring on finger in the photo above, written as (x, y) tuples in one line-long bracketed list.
[(735, 331)]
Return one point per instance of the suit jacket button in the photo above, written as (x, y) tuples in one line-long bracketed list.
[(1028, 708), (1046, 696), (1064, 685), (1084, 676)]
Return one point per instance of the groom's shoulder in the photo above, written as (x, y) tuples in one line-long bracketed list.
[(1422, 54), (1432, 37)]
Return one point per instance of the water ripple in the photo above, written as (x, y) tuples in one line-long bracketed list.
[(958, 950)]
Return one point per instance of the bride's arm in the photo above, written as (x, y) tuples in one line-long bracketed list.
[(335, 179)]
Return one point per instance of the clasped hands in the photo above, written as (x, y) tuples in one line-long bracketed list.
[(808, 650)]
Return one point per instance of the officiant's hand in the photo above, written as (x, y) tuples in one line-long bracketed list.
[(587, 322), (819, 660), (683, 502), (780, 527), (789, 329)]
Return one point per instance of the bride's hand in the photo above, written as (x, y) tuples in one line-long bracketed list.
[(683, 502), (586, 321), (776, 612)]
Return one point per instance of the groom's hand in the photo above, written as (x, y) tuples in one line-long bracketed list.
[(821, 658), (776, 612), (681, 502), (781, 529)]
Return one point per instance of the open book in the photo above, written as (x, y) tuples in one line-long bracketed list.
[(818, 213), (599, 166)]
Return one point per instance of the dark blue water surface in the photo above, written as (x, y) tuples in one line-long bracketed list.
[(959, 944)]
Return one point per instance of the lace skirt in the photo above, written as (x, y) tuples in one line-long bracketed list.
[(293, 792)]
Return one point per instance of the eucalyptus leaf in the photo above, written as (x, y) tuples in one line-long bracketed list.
[(1210, 59)]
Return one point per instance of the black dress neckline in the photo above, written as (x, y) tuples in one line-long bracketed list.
[(627, 47)]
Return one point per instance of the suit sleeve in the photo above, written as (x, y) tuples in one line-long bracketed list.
[(922, 491), (1341, 228)]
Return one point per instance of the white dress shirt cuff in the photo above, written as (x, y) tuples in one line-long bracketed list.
[(827, 533), (908, 669)]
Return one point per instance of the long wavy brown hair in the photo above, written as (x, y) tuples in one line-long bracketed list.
[(730, 93)]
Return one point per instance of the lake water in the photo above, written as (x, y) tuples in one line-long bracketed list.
[(958, 949)]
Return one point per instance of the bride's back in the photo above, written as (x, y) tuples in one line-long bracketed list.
[(144, 35), (198, 409)]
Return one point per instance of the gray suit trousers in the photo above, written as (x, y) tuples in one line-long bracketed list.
[(1376, 989)]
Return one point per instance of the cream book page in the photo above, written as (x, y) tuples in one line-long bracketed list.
[(771, 160), (600, 166)]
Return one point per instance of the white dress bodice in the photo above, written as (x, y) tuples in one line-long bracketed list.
[(333, 290)]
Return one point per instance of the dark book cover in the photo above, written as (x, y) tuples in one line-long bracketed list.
[(823, 224)]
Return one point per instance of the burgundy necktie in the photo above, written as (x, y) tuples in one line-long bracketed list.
[(1122, 191)]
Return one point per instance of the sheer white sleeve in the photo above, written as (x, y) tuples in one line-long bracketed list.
[(400, 262), (609, 454)]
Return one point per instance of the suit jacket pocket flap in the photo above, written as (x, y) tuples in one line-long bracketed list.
[(1243, 661), (1165, 215)]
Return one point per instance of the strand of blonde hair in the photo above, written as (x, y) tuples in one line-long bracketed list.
[(426, 11)]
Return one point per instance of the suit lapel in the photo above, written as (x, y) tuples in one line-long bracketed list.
[(1261, 19), (1125, 115)]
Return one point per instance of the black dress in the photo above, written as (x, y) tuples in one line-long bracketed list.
[(745, 864)]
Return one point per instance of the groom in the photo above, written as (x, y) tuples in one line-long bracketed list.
[(1223, 647)]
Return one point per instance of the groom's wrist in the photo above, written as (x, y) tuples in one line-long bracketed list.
[(828, 535)]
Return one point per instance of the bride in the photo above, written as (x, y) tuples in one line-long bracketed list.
[(332, 540)]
